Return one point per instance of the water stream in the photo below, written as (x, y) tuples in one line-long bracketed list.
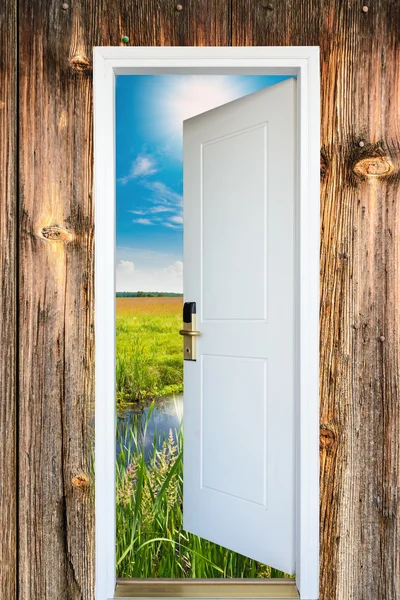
[(166, 416)]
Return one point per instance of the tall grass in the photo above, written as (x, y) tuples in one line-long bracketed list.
[(151, 541)]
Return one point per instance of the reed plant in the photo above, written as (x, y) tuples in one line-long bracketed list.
[(151, 541)]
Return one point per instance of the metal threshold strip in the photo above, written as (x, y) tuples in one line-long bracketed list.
[(206, 588)]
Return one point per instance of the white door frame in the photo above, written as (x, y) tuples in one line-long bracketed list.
[(302, 62)]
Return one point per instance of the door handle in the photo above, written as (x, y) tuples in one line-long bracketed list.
[(189, 331)]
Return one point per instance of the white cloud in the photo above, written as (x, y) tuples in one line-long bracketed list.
[(162, 195), (176, 219), (171, 225), (124, 274), (187, 97), (162, 199), (143, 166), (146, 257), (143, 221), (175, 270), (131, 279), (126, 266), (160, 209), (153, 210), (174, 222)]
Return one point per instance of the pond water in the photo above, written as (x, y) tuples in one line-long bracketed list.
[(166, 416)]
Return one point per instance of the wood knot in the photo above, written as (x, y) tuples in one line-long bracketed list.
[(80, 64), (373, 166), (55, 232), (323, 165), (2, 104), (327, 438), (80, 480)]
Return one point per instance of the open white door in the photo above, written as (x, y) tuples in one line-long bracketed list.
[(239, 268)]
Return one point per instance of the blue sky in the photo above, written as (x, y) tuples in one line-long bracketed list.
[(150, 110)]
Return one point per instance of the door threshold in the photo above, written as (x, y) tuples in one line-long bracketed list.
[(206, 588)]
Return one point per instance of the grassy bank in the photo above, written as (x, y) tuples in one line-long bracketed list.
[(149, 348), (150, 539)]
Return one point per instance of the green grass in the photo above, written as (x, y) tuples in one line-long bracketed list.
[(149, 348), (151, 541)]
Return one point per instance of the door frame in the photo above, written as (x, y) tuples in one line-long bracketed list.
[(302, 62)]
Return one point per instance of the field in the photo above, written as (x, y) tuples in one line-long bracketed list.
[(149, 348), (151, 541)]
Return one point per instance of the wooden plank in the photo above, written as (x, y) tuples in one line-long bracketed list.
[(360, 293), (56, 303), (206, 588), (8, 299), (160, 23), (56, 509)]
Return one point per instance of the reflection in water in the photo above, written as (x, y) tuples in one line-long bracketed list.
[(136, 426)]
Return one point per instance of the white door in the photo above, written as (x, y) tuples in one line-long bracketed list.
[(239, 395)]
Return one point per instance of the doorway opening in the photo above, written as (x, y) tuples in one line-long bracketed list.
[(150, 535), (219, 156)]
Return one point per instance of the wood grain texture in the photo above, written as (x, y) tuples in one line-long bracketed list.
[(8, 299), (159, 23), (360, 284), (56, 540), (56, 525), (360, 409)]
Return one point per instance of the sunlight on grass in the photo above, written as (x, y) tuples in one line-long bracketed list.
[(149, 349)]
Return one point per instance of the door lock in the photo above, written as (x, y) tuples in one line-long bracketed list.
[(189, 331)]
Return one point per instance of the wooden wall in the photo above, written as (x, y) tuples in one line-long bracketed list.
[(46, 265), (8, 299)]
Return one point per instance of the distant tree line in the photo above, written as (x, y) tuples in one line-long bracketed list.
[(148, 295)]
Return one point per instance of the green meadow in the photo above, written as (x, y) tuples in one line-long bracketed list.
[(149, 348), (151, 541)]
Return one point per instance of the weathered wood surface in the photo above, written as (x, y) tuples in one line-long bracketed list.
[(360, 409), (360, 285), (56, 517), (8, 299), (56, 520)]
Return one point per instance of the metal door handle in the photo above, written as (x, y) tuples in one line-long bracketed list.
[(189, 331)]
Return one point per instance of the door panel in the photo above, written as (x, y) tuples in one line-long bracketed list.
[(239, 401), (227, 203), (227, 380)]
